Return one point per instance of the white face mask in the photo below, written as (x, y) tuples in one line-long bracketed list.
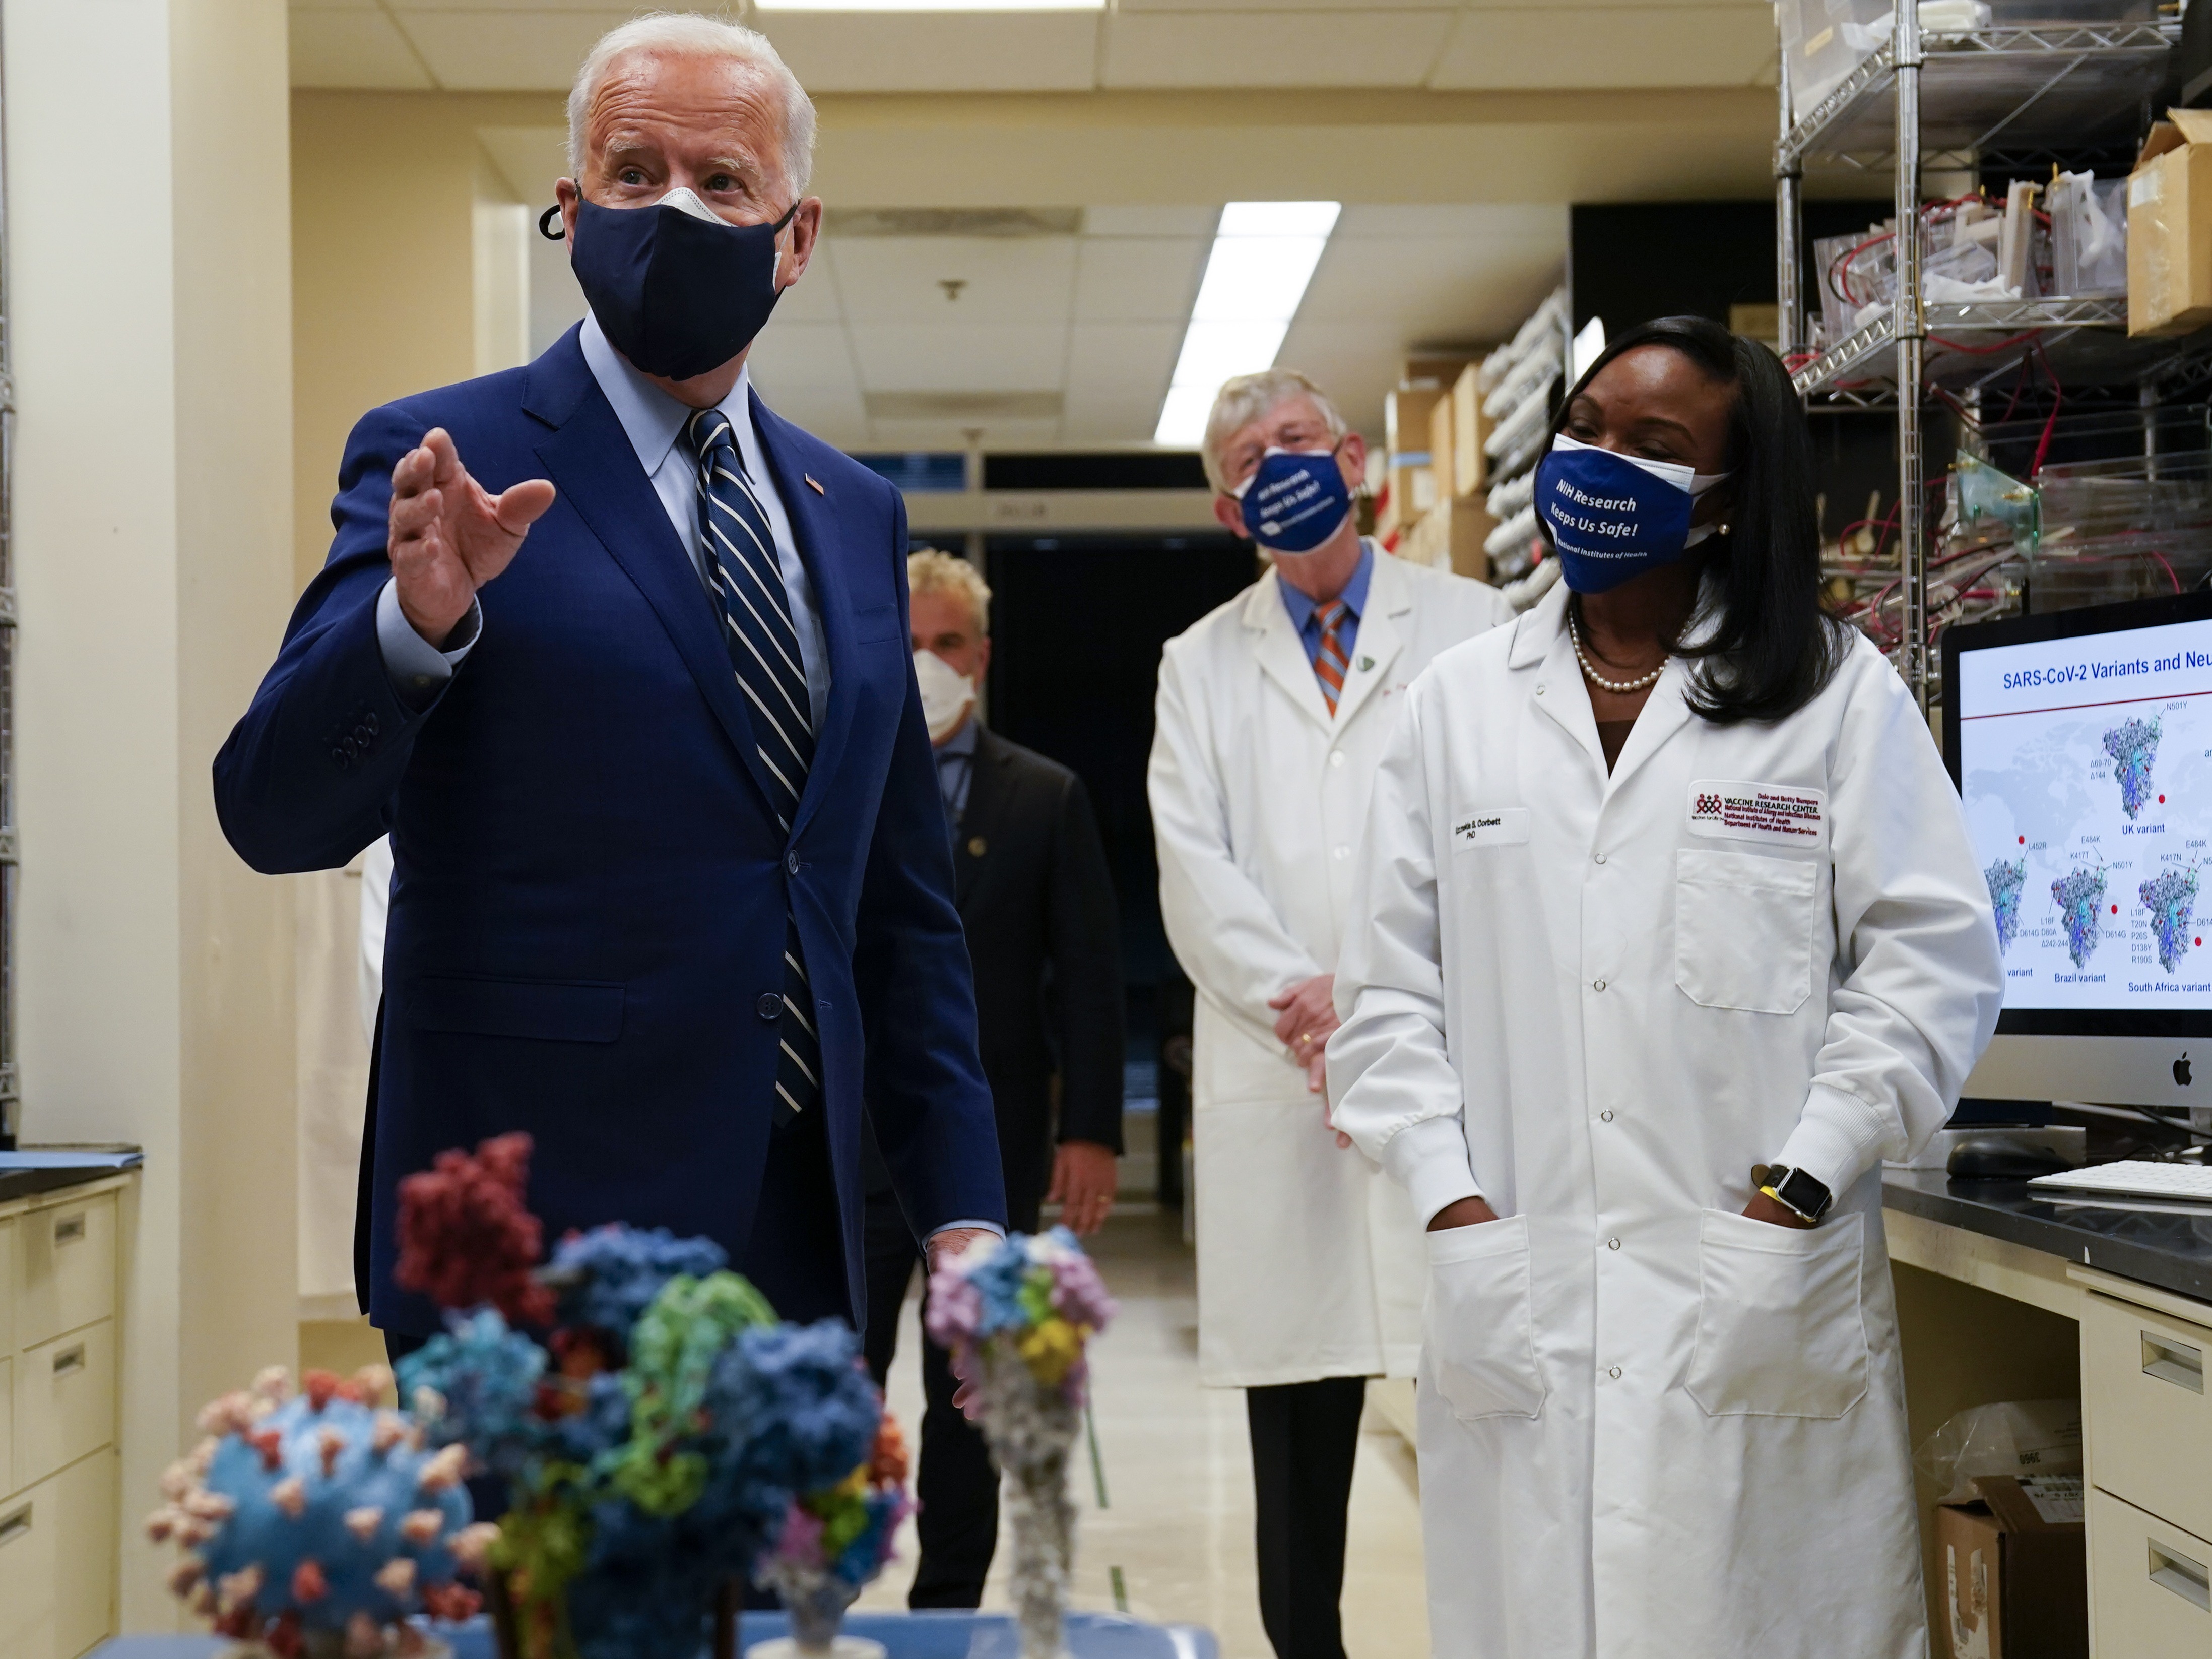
[(947, 695)]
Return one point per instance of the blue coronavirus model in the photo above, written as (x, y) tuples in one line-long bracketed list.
[(319, 1523)]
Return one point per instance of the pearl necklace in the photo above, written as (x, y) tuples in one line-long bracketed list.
[(1619, 688)]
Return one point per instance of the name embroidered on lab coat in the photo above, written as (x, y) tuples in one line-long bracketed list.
[(1491, 826), (1784, 814)]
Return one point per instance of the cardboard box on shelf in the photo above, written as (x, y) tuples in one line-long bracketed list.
[(1406, 411), (2014, 1570), (1470, 473), (1444, 452), (1409, 491), (2170, 227), (1450, 536)]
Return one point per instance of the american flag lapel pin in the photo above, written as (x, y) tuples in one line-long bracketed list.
[(811, 479)]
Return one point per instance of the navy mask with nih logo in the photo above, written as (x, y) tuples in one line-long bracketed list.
[(677, 291), (1612, 516), (1294, 500)]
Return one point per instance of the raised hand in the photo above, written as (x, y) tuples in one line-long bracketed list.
[(448, 536)]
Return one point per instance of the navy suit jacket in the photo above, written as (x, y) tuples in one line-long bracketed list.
[(587, 910)]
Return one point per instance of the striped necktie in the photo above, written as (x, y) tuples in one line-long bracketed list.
[(1330, 663), (748, 582)]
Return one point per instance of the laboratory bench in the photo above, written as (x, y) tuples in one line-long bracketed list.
[(2006, 1295)]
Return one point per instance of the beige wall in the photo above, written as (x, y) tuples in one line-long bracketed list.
[(385, 188), (152, 354)]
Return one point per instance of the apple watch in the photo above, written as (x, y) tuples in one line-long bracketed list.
[(1804, 1195)]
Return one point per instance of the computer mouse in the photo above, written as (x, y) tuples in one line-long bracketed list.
[(1976, 1159)]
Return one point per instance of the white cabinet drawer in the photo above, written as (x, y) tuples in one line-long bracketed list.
[(66, 1267), (65, 1400), (82, 1500), (2150, 1584), (29, 1562), (2145, 1410), (8, 1292)]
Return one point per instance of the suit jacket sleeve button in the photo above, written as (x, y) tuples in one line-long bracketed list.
[(771, 1005)]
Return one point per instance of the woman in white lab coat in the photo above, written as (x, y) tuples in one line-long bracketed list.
[(1668, 933)]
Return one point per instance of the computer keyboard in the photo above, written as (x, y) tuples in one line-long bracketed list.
[(2134, 1178)]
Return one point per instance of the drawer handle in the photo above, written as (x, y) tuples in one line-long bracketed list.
[(15, 1525), (2184, 1577), (2177, 1363), (69, 1229), (70, 1360)]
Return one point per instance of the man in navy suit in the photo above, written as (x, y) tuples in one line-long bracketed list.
[(620, 660)]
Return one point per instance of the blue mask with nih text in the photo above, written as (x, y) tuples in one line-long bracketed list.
[(1611, 516), (1293, 502)]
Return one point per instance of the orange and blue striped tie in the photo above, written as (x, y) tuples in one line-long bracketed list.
[(1330, 664)]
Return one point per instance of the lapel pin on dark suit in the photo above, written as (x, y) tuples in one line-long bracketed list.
[(819, 490), (975, 847)]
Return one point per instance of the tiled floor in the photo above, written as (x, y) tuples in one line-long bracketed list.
[(1178, 1477)]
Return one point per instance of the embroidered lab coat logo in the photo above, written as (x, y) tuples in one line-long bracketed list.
[(1783, 814)]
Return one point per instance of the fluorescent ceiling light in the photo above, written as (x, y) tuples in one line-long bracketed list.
[(1264, 255), (930, 5)]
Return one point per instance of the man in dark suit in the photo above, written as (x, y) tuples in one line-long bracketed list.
[(672, 888), (1043, 931)]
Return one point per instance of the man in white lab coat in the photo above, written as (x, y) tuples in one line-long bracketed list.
[(1274, 712)]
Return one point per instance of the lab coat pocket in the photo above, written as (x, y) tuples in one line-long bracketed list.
[(1780, 1332), (1481, 1347), (1743, 930)]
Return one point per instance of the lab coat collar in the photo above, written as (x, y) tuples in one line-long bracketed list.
[(1541, 641), (1281, 653), (1379, 641)]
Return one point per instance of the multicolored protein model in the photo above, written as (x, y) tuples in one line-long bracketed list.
[(319, 1523), (1018, 1315)]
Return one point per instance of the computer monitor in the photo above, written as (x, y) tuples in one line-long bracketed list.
[(2081, 743)]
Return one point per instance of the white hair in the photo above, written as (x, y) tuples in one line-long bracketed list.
[(692, 35), (1246, 399), (928, 571)]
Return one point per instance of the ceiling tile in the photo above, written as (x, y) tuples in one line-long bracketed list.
[(960, 357), (813, 297), (1515, 221), (897, 278), (1273, 49), (938, 52), (1705, 45), (1353, 10), (1137, 279), (506, 51), (1151, 221), (902, 435), (1432, 290), (1109, 356), (334, 5), (351, 49)]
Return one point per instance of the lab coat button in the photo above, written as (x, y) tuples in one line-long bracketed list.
[(1598, 985), (790, 862), (1615, 1373), (1600, 858), (769, 1006), (1539, 690), (1612, 1244), (1342, 853), (1605, 1117), (1336, 757)]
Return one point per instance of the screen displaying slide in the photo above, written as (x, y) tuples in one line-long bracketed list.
[(2086, 767)]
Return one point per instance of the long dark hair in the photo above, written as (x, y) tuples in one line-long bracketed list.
[(1768, 648)]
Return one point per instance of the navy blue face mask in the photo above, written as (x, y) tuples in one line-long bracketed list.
[(676, 293), (1612, 516), (1294, 502)]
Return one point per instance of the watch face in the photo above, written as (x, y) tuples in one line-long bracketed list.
[(1807, 1195)]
